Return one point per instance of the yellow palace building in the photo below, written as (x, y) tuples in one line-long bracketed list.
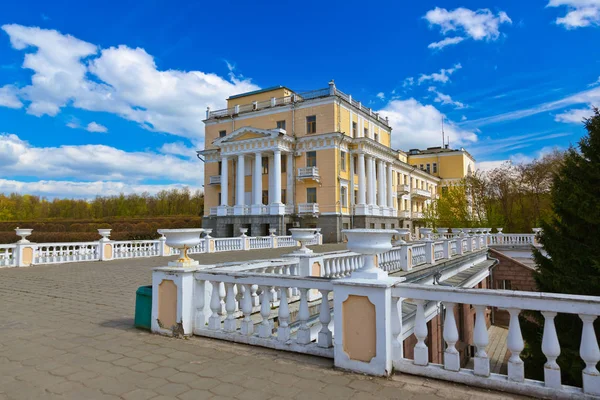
[(278, 159)]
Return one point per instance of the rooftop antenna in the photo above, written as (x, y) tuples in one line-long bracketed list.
[(442, 131)]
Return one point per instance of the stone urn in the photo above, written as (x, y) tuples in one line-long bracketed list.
[(426, 232), (23, 233), (536, 230), (273, 232), (182, 239), (105, 233), (467, 231), (207, 233), (243, 232), (304, 236), (442, 232), (369, 243), (500, 230), (402, 232)]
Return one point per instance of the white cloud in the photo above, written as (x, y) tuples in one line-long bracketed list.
[(118, 80), (515, 159), (482, 24), (443, 76), (575, 116), (96, 127), (446, 42), (416, 125), (8, 97), (590, 97), (580, 13), (83, 190), (463, 118), (408, 82), (381, 96), (91, 163), (595, 83), (178, 149), (445, 99)]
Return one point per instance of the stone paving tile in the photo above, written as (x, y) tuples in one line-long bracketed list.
[(66, 332)]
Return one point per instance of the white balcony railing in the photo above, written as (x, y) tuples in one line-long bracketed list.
[(7, 255), (308, 173), (403, 189), (215, 180), (308, 208), (404, 214), (422, 193), (213, 211), (417, 215)]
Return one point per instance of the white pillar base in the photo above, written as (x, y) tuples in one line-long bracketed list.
[(361, 209), (256, 209), (239, 210), (276, 209), (222, 211)]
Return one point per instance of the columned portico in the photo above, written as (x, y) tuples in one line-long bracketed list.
[(276, 207), (239, 191), (257, 185)]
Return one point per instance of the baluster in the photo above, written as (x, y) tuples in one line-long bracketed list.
[(229, 324), (396, 326), (551, 349), (222, 297), (272, 288), (303, 335), (325, 337), (214, 322), (254, 298), (451, 356), (590, 354), (421, 351), (247, 326), (264, 329), (481, 340), (283, 331), (199, 293), (514, 342)]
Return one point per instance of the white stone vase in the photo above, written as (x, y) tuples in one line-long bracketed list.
[(500, 230), (304, 236), (369, 242), (402, 232), (182, 239), (426, 232), (243, 232), (272, 232), (23, 233), (207, 233), (105, 233)]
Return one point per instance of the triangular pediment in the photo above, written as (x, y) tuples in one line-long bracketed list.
[(247, 133)]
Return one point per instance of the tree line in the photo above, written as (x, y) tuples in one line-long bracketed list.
[(25, 207), (515, 197)]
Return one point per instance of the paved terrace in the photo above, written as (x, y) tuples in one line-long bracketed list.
[(66, 332)]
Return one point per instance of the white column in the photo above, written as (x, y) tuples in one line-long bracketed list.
[(381, 184), (361, 206), (390, 198), (276, 207), (257, 184), (370, 181), (222, 210), (270, 179), (239, 192), (290, 180)]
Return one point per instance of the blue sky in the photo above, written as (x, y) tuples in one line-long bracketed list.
[(109, 97)]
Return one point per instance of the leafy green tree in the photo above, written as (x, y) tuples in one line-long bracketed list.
[(571, 238)]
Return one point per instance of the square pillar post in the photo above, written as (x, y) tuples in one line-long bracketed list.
[(173, 301), (362, 325)]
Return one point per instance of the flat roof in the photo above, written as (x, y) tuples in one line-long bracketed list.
[(258, 91)]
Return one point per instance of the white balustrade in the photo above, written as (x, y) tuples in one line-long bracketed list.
[(549, 304), (294, 335), (453, 244), (438, 250), (512, 239), (228, 244), (265, 242), (286, 241), (136, 249), (7, 255), (418, 254), (55, 253), (197, 249)]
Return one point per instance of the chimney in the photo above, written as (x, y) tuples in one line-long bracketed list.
[(207, 112), (331, 87)]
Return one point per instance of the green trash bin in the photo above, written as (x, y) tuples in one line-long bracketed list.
[(143, 307)]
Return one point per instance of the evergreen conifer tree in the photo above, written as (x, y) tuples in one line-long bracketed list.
[(571, 239)]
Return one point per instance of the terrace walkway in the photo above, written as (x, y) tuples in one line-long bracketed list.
[(66, 331)]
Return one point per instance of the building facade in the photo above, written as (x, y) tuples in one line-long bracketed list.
[(279, 159)]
